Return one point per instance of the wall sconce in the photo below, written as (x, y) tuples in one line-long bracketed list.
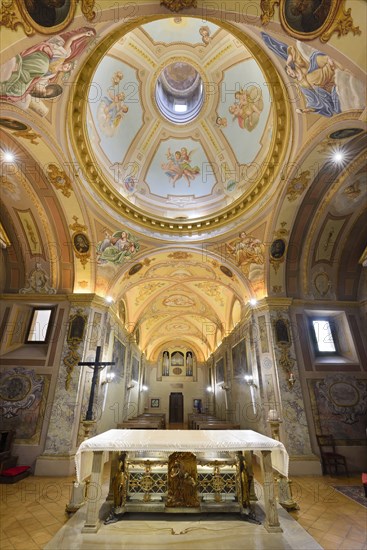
[(209, 389), (144, 388), (109, 377), (130, 386), (291, 380), (225, 387), (249, 379)]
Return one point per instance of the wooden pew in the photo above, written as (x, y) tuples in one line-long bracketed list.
[(217, 426), (140, 425), (154, 416)]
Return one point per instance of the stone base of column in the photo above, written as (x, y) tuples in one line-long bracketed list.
[(77, 498), (55, 466), (304, 465)]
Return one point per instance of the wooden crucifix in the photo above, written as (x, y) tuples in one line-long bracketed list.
[(97, 365)]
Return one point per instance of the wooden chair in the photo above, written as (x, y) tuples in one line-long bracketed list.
[(330, 459)]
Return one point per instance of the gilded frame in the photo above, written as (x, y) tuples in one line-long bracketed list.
[(37, 27), (337, 20)]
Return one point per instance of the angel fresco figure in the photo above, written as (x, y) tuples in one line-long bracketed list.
[(116, 248), (247, 107), (35, 68), (112, 107), (178, 166), (247, 251), (327, 88)]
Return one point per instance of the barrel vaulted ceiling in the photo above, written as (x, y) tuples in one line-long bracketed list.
[(182, 223)]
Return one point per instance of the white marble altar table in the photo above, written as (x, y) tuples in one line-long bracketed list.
[(271, 452)]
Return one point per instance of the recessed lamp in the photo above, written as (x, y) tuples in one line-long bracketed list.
[(9, 157), (253, 302)]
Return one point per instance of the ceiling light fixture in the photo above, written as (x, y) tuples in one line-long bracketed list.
[(253, 302)]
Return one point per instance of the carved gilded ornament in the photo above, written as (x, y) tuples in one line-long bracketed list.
[(182, 481), (298, 184), (178, 5), (267, 10), (327, 19), (28, 15), (59, 179), (282, 337)]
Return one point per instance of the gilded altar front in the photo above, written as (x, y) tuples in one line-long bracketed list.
[(181, 481)]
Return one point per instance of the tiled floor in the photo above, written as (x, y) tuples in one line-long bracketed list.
[(33, 510)]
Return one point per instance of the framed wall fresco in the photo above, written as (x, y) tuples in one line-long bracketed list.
[(154, 403), (339, 407), (23, 397), (219, 371), (310, 19), (239, 360), (135, 369), (118, 356), (43, 16)]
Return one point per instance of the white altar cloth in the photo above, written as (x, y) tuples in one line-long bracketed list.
[(179, 440)]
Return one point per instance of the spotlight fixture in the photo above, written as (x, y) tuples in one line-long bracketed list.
[(291, 380), (109, 299), (209, 389), (253, 302), (338, 156), (249, 379), (144, 388), (109, 377), (8, 156)]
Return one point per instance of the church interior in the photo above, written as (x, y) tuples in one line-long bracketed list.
[(183, 246)]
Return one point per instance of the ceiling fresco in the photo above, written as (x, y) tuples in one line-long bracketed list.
[(195, 168)]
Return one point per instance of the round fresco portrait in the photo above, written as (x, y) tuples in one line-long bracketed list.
[(48, 13), (81, 243), (277, 249), (307, 18), (13, 124), (345, 133)]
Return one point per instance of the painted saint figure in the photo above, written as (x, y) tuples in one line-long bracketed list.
[(327, 88), (247, 251), (36, 67), (116, 248)]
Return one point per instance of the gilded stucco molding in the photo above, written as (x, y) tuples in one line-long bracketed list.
[(297, 185), (178, 5), (59, 179), (84, 152), (267, 10)]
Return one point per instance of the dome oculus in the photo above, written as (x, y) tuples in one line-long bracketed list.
[(179, 92)]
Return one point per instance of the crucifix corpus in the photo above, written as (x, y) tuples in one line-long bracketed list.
[(97, 365)]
